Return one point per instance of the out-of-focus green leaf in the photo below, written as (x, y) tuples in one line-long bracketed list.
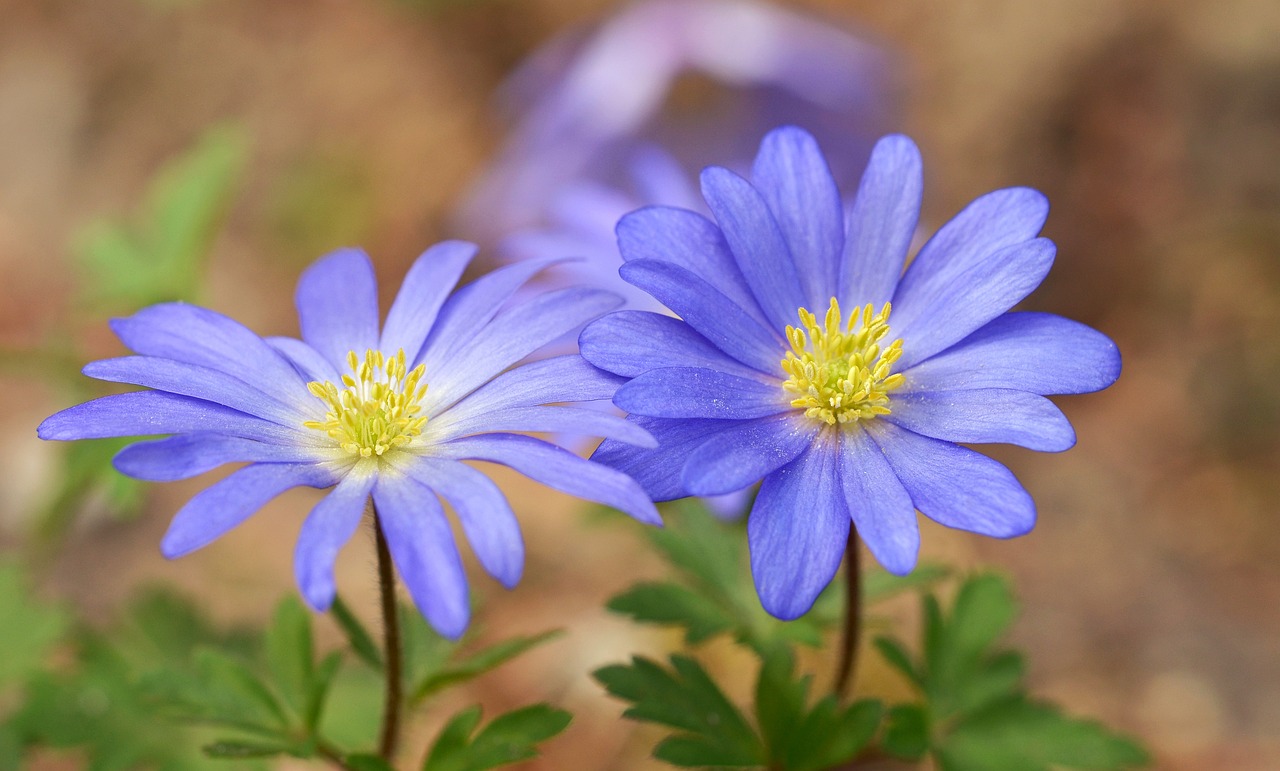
[(509, 738), (712, 730), (359, 638), (478, 663), (878, 585), (366, 762), (31, 628), (238, 750), (906, 732), (289, 653)]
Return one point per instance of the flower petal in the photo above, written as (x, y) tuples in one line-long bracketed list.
[(985, 415), (142, 413), (757, 244), (483, 511), (326, 530), (309, 363), (745, 452), (1036, 352), (558, 379), (713, 315), (628, 343), (881, 507), (559, 419), (695, 392), (426, 287), (792, 175), (471, 307), (514, 334), (337, 300), (797, 531), (189, 455), (197, 382), (195, 335), (220, 507), (658, 470), (692, 242), (940, 314), (422, 548), (881, 223), (557, 468), (954, 485)]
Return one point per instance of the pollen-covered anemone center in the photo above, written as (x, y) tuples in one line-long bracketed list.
[(377, 410), (839, 375)]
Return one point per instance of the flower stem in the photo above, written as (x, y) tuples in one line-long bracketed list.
[(391, 642), (852, 614)]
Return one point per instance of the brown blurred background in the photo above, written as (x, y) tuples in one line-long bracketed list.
[(1151, 587)]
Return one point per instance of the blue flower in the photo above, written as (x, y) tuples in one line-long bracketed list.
[(386, 413), (805, 356)]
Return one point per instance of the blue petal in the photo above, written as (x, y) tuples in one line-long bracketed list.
[(483, 511), (797, 532), (757, 244), (985, 415), (937, 315), (514, 334), (422, 548), (559, 419), (309, 363), (713, 315), (692, 242), (195, 335), (794, 179), (628, 343), (141, 413), (471, 307), (659, 177), (745, 452), (219, 508), (557, 468), (425, 288), (881, 223), (954, 485), (1036, 352), (959, 256), (559, 379), (197, 382), (337, 300), (189, 455), (694, 392), (881, 507), (326, 530), (658, 470)]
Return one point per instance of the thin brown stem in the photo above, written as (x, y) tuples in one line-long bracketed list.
[(391, 644), (852, 615)]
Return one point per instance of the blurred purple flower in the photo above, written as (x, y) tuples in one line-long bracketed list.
[(386, 411)]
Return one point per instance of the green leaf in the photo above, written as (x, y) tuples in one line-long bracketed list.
[(31, 628), (513, 737), (318, 689), (290, 653), (879, 585), (479, 663), (359, 638), (982, 612), (672, 604), (830, 736), (234, 695), (685, 698), (1017, 734), (365, 762), (898, 658), (241, 749), (906, 733), (780, 701), (448, 752)]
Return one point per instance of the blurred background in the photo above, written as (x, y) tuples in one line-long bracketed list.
[(210, 149)]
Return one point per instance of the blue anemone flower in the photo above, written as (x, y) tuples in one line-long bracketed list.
[(388, 413), (805, 356)]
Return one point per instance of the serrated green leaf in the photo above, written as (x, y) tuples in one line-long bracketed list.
[(1017, 734), (898, 658), (982, 612), (365, 762), (448, 752), (479, 663), (906, 733), (831, 736), (290, 654), (359, 638), (514, 736), (671, 604), (31, 628), (318, 689), (780, 701), (998, 678), (234, 695), (685, 698), (879, 585), (242, 749)]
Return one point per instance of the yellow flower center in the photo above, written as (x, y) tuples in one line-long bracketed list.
[(377, 409), (837, 374)]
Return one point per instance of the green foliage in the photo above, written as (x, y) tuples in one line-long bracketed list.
[(975, 714), (509, 738), (157, 254), (31, 629)]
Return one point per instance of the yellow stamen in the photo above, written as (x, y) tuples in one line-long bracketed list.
[(377, 410), (839, 375)]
